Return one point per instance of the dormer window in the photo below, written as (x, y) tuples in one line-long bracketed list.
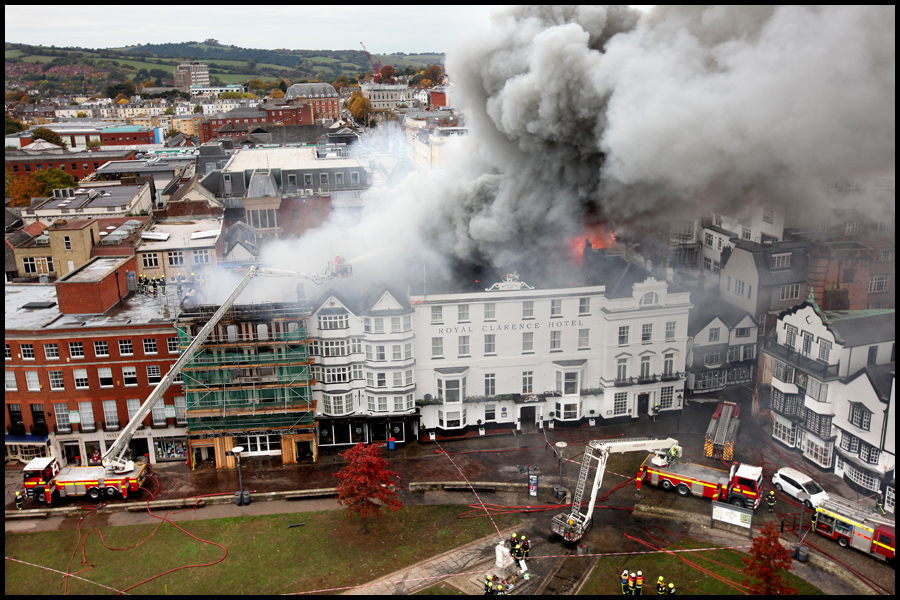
[(781, 261), (649, 299)]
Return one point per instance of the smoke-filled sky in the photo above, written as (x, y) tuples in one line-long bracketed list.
[(605, 114)]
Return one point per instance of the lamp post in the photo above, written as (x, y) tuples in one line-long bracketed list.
[(560, 450), (237, 452), (681, 407)]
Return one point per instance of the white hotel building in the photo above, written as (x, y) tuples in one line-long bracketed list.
[(510, 356), (513, 356)]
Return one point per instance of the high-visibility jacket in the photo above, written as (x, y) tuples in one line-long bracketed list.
[(631, 579), (639, 582)]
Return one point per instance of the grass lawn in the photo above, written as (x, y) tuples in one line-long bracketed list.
[(264, 555), (604, 579)]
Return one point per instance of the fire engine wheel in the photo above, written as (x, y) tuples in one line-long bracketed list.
[(843, 542), (666, 484), (683, 490), (40, 495), (778, 487), (110, 492), (93, 493), (738, 502)]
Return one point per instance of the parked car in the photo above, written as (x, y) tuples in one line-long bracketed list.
[(792, 482)]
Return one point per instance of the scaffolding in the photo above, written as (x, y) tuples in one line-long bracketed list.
[(252, 374)]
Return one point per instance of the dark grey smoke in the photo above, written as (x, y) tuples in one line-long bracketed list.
[(596, 114), (591, 113)]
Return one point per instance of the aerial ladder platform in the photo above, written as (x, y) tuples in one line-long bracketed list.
[(723, 431)]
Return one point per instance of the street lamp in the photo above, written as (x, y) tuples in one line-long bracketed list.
[(237, 452), (560, 450)]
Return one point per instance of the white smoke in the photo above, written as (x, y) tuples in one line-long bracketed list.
[(594, 113)]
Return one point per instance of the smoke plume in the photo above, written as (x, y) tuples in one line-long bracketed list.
[(598, 114)]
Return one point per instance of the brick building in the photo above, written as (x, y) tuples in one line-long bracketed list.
[(68, 245), (77, 164), (321, 97), (74, 379), (240, 121)]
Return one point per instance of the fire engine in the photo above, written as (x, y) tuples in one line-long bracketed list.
[(44, 479), (574, 525), (852, 525), (739, 486), (120, 474)]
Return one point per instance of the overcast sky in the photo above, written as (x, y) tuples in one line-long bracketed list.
[(383, 29)]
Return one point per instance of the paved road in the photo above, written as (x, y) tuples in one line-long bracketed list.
[(482, 459)]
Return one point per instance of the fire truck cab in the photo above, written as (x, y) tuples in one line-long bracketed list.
[(852, 525), (38, 474)]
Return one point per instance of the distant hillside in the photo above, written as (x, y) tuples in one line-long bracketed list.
[(86, 70)]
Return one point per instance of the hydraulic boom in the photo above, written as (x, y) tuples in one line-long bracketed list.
[(115, 460), (574, 525)]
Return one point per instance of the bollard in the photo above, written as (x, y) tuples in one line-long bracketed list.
[(246, 498), (237, 498)]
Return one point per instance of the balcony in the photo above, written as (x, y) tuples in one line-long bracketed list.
[(39, 430), (87, 427), (62, 429), (159, 424), (625, 381), (817, 369), (107, 426)]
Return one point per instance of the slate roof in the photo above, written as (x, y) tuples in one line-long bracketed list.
[(762, 257), (707, 307), (882, 378), (310, 90), (285, 134), (862, 327), (239, 233), (262, 184)]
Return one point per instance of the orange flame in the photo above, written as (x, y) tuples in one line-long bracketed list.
[(597, 235)]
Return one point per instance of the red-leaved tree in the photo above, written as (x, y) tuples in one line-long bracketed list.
[(366, 484), (768, 558)]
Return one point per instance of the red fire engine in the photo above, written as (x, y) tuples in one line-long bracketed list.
[(852, 525), (741, 486), (44, 479)]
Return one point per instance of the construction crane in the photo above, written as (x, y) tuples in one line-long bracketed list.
[(377, 77), (574, 525), (115, 461)]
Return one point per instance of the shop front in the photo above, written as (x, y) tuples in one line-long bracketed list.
[(170, 449)]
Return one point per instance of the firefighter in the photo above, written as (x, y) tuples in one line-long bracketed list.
[(631, 579), (624, 582), (879, 503), (19, 500), (673, 454), (639, 584), (513, 541), (518, 553), (661, 586), (770, 501), (192, 279), (140, 284), (154, 284), (488, 586), (526, 547), (655, 412), (162, 282), (671, 589)]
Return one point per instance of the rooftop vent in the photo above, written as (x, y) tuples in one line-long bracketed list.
[(38, 305)]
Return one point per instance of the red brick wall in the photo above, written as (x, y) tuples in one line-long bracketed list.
[(91, 363), (94, 297), (128, 138), (307, 207), (74, 165), (438, 99)]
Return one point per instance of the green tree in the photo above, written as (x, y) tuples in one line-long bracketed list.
[(53, 179), (42, 133), (282, 86), (81, 115), (198, 110), (169, 111), (172, 133), (13, 126)]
